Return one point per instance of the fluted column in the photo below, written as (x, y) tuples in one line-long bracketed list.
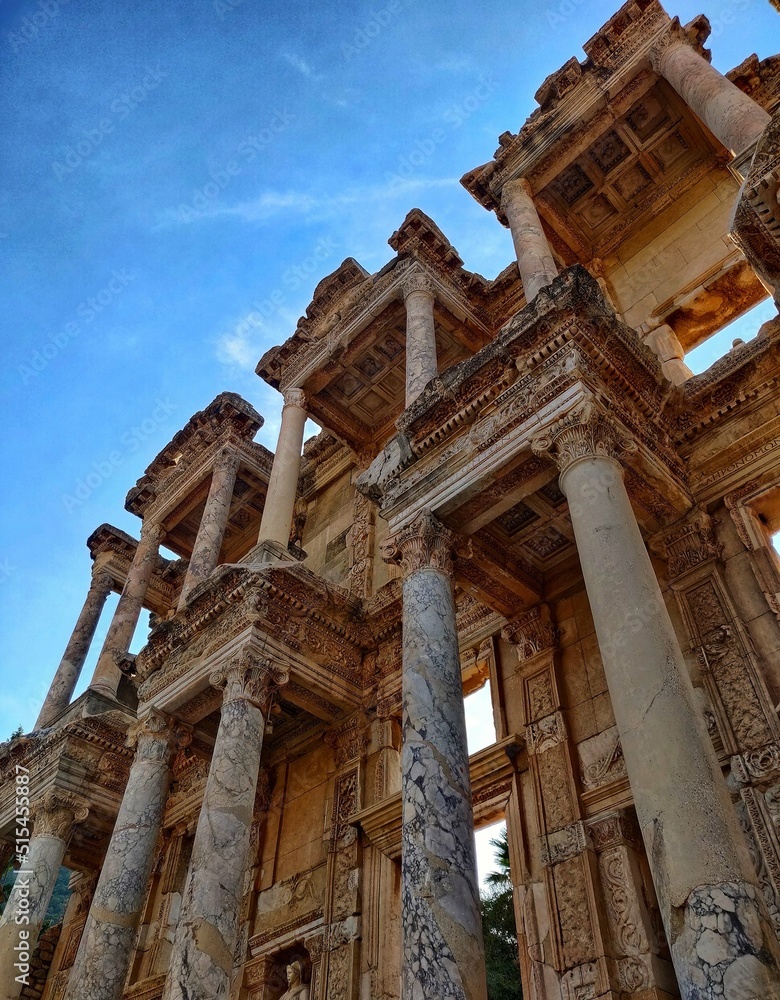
[(202, 956), (421, 361), (534, 257), (211, 531), (728, 113), (131, 601), (68, 672), (53, 820), (443, 953), (721, 942), (106, 945), (283, 483)]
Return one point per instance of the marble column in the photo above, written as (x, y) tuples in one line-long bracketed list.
[(53, 820), (283, 483), (720, 938), (131, 601), (202, 957), (728, 113), (106, 946), (67, 673), (443, 953), (421, 361), (211, 530), (534, 257)]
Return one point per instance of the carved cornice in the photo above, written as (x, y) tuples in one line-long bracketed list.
[(687, 544), (425, 544), (531, 632), (584, 432), (247, 677)]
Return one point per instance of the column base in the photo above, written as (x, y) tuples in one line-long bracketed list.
[(268, 552)]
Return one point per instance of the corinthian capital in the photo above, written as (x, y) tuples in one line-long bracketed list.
[(157, 736), (425, 544), (226, 460), (294, 397), (56, 813), (416, 281), (675, 34), (584, 432), (250, 678)]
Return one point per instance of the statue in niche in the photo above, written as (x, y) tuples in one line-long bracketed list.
[(296, 988)]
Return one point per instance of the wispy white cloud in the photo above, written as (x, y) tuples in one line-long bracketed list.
[(312, 206), (299, 64)]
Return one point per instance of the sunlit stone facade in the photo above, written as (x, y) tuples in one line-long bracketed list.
[(519, 483)]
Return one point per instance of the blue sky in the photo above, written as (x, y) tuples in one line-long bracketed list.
[(176, 179)]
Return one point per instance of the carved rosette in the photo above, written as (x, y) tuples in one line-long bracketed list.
[(56, 813), (533, 632), (425, 544), (157, 737), (294, 397), (546, 733), (687, 544), (416, 281), (584, 432), (251, 678)]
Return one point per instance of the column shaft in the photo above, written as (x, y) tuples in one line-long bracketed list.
[(720, 939), (120, 632), (69, 669), (29, 899), (534, 257), (202, 957), (211, 530), (730, 115), (283, 483), (421, 361), (443, 952), (105, 950)]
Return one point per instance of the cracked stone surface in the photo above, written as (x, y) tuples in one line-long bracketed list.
[(206, 933), (701, 869), (106, 946), (30, 896), (65, 679), (212, 526), (421, 364), (442, 934)]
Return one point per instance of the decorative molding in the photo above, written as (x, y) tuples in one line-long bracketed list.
[(546, 733), (687, 544), (532, 632)]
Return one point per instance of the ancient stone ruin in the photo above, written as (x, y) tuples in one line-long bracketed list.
[(519, 483)]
